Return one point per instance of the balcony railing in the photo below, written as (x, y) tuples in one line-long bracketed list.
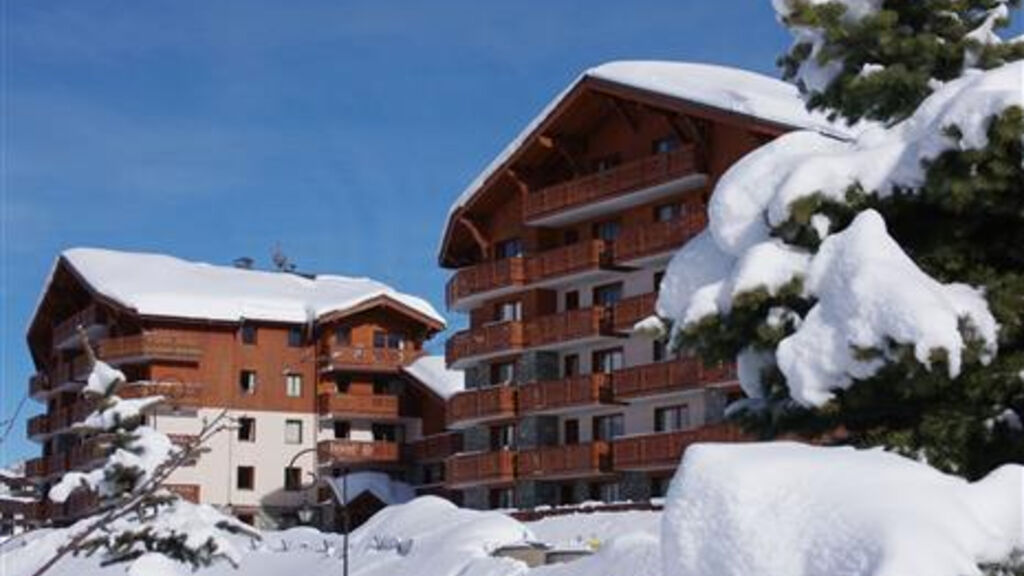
[(642, 241), (481, 468), (370, 405), (618, 181), (658, 378), (493, 338), (577, 391), (486, 277), (35, 468), (68, 329), (38, 426), (628, 311), (150, 346), (65, 418), (436, 447), (354, 452), (471, 406), (175, 393), (568, 326), (565, 461), (578, 257), (664, 450), (38, 385), (367, 359)]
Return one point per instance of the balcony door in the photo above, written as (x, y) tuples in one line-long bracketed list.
[(607, 361)]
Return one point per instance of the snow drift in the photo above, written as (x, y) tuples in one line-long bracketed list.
[(787, 509)]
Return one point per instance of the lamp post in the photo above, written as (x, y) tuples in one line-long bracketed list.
[(344, 519)]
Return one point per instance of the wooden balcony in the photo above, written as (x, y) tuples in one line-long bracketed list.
[(628, 311), (481, 404), (556, 395), (436, 447), (607, 185), (379, 406), (352, 452), (150, 346), (485, 277), (638, 242), (571, 259), (499, 338), (39, 385), (56, 463), (63, 419), (38, 426), (568, 461), (658, 378), (188, 492), (664, 450), (176, 394), (35, 468), (568, 326), (464, 470), (67, 330), (360, 359)]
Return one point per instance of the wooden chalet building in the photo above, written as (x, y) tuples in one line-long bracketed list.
[(557, 250), (317, 374)]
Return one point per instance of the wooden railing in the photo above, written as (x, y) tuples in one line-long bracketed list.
[(38, 426), (586, 255), (640, 241), (565, 461), (174, 393), (150, 345), (620, 180), (567, 326), (38, 385), (664, 450), (485, 277), (494, 403), (354, 452), (372, 405), (628, 311), (657, 378), (436, 447), (584, 390), (35, 468), (66, 417), (68, 328), (369, 359), (480, 468), (500, 337)]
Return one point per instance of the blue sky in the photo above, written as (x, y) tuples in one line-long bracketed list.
[(340, 129)]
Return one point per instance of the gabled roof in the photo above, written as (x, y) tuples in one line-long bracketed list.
[(724, 89), (157, 285)]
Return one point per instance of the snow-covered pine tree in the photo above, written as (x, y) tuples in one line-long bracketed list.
[(137, 519), (874, 287)]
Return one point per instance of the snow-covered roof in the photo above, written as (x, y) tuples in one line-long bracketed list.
[(165, 286), (721, 87), (432, 372)]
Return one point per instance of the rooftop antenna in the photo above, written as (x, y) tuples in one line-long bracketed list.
[(280, 260)]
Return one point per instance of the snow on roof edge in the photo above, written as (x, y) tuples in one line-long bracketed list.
[(433, 373)]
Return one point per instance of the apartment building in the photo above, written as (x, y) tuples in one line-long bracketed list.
[(318, 375), (557, 250)]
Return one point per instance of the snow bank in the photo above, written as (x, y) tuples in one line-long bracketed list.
[(786, 509), (161, 285), (433, 373)]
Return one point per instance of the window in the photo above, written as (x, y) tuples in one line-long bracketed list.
[(342, 430), (247, 381), (510, 248), (668, 212), (659, 486), (295, 336), (246, 429), (607, 231), (608, 427), (572, 431), (248, 333), (666, 144), (609, 492), (503, 437), (293, 385), (672, 418), (433, 473), (387, 386), (341, 383), (607, 361), (570, 237), (608, 294), (388, 433), (502, 373), (509, 312), (292, 479), (570, 365), (503, 498), (245, 477), (658, 278), (658, 350), (343, 336), (572, 300), (606, 163), (392, 340), (293, 431)]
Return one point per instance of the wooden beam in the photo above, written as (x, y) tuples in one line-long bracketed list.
[(620, 107), (524, 189), (558, 145), (481, 240)]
